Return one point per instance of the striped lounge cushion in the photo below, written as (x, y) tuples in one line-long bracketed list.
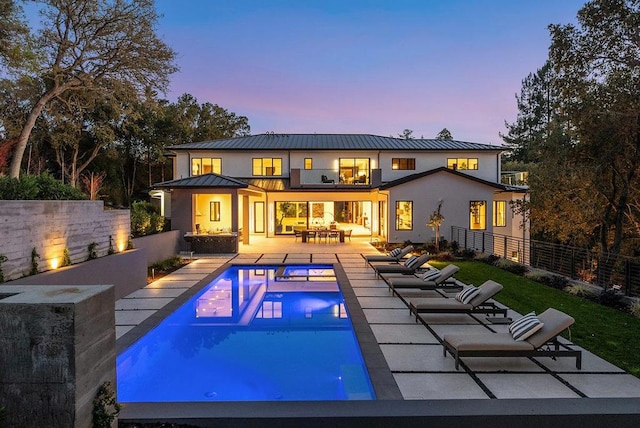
[(524, 327), (431, 274), (467, 294), (395, 252), (412, 262)]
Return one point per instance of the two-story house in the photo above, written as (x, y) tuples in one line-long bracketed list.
[(382, 187)]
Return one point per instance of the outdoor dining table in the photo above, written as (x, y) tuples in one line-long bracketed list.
[(314, 232)]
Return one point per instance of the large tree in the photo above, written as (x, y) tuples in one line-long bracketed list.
[(597, 66), (445, 134), (13, 33), (537, 117), (83, 45)]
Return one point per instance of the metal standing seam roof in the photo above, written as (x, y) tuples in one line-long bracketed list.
[(205, 180), (333, 142)]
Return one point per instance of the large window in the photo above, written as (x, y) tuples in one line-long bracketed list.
[(403, 163), (201, 166), (404, 215), (500, 213), (478, 215), (267, 166), (462, 163), (354, 170)]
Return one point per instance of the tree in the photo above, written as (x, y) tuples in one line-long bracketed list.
[(83, 45), (444, 135), (435, 221), (407, 134), (13, 33), (597, 66), (537, 117)]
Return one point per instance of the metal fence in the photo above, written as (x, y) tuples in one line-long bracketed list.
[(602, 269)]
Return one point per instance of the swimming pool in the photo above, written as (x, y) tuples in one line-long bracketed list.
[(255, 333)]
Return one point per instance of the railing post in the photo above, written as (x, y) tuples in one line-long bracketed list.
[(505, 248), (465, 239), (483, 244)]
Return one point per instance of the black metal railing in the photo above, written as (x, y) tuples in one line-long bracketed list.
[(603, 269)]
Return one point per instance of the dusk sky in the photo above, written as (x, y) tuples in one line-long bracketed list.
[(362, 66)]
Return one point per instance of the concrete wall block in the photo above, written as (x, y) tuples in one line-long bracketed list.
[(50, 226)]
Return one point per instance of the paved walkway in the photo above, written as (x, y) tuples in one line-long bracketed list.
[(412, 350)]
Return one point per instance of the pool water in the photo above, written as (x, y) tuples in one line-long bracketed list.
[(251, 335)]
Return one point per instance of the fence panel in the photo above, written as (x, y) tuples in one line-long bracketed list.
[(606, 270)]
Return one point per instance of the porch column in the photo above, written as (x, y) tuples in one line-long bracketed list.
[(245, 219)]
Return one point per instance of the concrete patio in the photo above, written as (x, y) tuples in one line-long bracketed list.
[(412, 350)]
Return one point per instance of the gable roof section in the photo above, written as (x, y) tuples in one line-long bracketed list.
[(204, 180), (333, 142), (419, 175)]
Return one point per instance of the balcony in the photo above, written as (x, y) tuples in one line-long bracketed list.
[(330, 178)]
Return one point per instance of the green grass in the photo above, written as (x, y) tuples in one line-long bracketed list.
[(606, 332)]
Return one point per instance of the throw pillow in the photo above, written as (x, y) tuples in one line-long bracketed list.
[(525, 327), (395, 252), (467, 294), (431, 274)]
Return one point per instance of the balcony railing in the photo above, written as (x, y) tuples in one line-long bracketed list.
[(333, 178)]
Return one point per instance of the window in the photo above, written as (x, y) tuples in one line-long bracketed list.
[(308, 163), (354, 170), (403, 163), (214, 211), (499, 213), (478, 215), (462, 163), (267, 166), (201, 166), (404, 215)]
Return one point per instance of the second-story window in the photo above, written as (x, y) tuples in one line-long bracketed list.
[(354, 170), (267, 166), (201, 166), (308, 163), (403, 163), (462, 163)]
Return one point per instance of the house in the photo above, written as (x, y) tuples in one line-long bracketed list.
[(382, 187)]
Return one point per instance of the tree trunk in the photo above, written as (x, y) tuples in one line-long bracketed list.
[(18, 154)]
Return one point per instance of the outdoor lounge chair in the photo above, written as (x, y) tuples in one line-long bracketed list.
[(407, 268), (389, 257), (477, 304), (542, 343), (441, 279)]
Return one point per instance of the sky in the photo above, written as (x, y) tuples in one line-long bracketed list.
[(362, 66)]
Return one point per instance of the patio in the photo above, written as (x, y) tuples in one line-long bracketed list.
[(412, 351)]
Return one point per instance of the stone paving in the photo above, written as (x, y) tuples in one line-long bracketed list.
[(412, 350)]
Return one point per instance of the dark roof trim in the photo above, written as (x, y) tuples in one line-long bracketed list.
[(420, 175)]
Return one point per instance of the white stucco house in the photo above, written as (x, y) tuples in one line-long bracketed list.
[(386, 188)]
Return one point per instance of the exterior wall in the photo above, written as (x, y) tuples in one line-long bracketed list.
[(57, 347), (52, 226), (159, 246), (126, 271), (455, 192), (238, 163), (488, 164)]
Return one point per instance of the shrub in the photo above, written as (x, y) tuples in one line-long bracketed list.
[(66, 258), (610, 297), (105, 406), (581, 290), (510, 266), (145, 219), (467, 253), (34, 261), (634, 308), (3, 259), (443, 256), (37, 187), (93, 254)]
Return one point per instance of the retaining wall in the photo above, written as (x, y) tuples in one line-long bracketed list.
[(160, 246), (52, 226)]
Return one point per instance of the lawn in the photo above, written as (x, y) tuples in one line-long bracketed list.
[(604, 331)]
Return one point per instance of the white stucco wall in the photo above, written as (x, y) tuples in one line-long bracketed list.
[(455, 192), (52, 226)]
